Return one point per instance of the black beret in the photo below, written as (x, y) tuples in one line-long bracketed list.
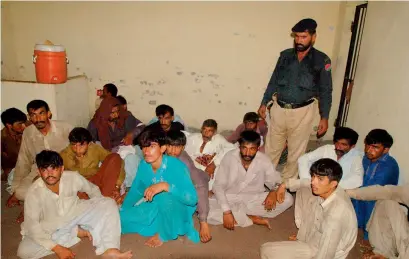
[(305, 24)]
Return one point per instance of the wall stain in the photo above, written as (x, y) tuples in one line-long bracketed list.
[(150, 84), (161, 82), (193, 73), (216, 95), (152, 102), (236, 34), (240, 103), (219, 101), (143, 83), (122, 81), (179, 73), (215, 76)]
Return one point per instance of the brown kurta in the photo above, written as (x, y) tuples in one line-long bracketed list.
[(10, 146)]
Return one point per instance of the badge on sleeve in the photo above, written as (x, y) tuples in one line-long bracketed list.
[(328, 67)]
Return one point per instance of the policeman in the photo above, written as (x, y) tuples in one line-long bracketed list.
[(302, 76)]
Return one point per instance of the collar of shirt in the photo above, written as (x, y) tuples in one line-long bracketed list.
[(325, 203), (308, 56)]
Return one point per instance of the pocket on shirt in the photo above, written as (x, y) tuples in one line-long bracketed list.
[(306, 81)]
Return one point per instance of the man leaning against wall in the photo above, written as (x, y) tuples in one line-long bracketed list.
[(302, 75)]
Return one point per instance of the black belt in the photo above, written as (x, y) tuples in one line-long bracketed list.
[(294, 105)]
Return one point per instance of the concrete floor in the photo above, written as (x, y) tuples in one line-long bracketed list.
[(242, 243)]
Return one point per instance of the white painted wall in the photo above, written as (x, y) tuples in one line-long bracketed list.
[(381, 92), (68, 101), (206, 59)]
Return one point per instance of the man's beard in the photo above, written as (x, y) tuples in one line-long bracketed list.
[(340, 152), (247, 158), (302, 48), (40, 124)]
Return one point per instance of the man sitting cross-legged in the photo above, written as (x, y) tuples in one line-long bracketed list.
[(241, 199), (84, 156), (176, 141), (55, 218), (324, 215), (388, 226), (162, 199)]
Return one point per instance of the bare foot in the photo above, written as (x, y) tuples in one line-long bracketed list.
[(84, 233), (20, 218), (114, 253), (365, 245), (260, 221), (367, 254), (204, 232), (154, 241), (292, 237)]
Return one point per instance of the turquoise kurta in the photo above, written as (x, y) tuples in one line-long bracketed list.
[(170, 213)]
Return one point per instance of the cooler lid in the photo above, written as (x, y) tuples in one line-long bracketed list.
[(50, 48)]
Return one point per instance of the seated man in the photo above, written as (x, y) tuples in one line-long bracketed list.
[(162, 199), (388, 227), (14, 122), (131, 120), (207, 148), (176, 142), (380, 169), (55, 218), (325, 217), (84, 156), (109, 90), (110, 125), (241, 199), (165, 120), (344, 152), (251, 121), (42, 134)]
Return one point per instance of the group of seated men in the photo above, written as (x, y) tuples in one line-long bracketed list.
[(72, 181)]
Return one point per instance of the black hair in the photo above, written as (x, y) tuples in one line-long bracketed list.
[(121, 99), (162, 109), (252, 117), (327, 167), (48, 158), (379, 136), (79, 135), (112, 89), (12, 115), (209, 123), (250, 136), (37, 104), (148, 136), (176, 138), (346, 133)]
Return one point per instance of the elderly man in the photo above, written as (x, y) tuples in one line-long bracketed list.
[(42, 134), (301, 75), (56, 218), (344, 152), (207, 148), (325, 217), (241, 199), (388, 227)]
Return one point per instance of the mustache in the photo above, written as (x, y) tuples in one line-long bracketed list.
[(50, 177), (340, 151), (38, 122)]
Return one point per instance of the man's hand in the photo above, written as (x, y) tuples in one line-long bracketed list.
[(292, 237), (270, 201), (281, 193), (154, 189), (12, 201), (63, 252), (128, 140), (262, 111), (228, 220), (115, 194), (120, 199), (210, 169), (322, 128), (83, 195)]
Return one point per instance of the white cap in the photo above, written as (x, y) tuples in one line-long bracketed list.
[(50, 48)]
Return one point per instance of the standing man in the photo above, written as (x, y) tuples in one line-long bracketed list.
[(302, 74)]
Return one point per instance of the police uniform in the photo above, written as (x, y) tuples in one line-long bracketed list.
[(294, 87)]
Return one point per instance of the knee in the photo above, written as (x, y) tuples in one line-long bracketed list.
[(113, 158), (265, 250), (386, 206), (23, 250)]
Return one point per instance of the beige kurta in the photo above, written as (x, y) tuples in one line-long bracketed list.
[(388, 226), (327, 228), (34, 142), (242, 191)]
